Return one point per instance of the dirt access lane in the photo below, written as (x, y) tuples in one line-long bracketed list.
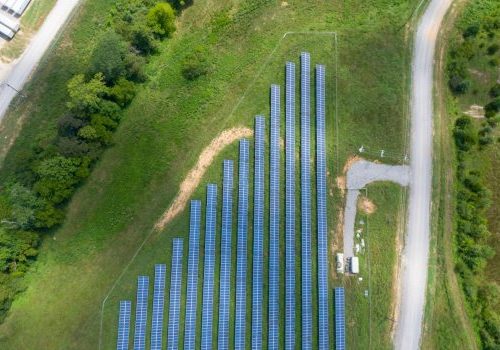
[(16, 76), (415, 257)]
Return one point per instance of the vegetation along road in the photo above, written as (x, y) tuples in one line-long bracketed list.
[(15, 80), (416, 251)]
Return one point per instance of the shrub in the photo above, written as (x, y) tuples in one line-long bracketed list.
[(143, 40), (134, 67), (492, 49), (161, 20), (471, 31), (195, 65), (495, 90)]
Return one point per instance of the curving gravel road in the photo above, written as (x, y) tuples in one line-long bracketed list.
[(416, 251), (21, 71)]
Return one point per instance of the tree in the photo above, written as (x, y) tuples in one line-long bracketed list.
[(68, 125), (23, 203), (72, 147), (108, 58), (161, 19), (56, 178), (86, 96), (16, 249)]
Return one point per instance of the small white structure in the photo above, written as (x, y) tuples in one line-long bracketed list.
[(10, 22), (339, 263), (353, 265), (6, 31)]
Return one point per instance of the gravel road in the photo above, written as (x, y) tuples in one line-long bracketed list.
[(26, 64), (416, 250), (359, 175)]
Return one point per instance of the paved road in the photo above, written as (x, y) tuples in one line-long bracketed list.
[(359, 175), (416, 251), (21, 71)]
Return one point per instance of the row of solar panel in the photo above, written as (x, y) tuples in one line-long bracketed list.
[(240, 325)]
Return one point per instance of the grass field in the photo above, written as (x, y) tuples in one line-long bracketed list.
[(159, 141)]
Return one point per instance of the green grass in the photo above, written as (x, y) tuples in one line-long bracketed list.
[(159, 141)]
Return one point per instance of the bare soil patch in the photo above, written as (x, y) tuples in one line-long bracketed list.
[(195, 175), (475, 111), (366, 205)]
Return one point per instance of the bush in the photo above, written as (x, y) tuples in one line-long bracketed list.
[(492, 49), (134, 67), (464, 133), (195, 65), (495, 90), (471, 31), (161, 20), (143, 40)]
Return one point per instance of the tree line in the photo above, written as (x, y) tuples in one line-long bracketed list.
[(33, 201), (478, 43)]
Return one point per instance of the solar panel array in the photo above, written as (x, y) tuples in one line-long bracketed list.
[(339, 319), (240, 330), (290, 207), (321, 210), (225, 264), (274, 222), (158, 305), (258, 234), (123, 325), (208, 277), (175, 295), (241, 259), (192, 284), (141, 313), (305, 197)]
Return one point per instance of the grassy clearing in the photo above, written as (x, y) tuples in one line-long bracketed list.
[(369, 317), (160, 139)]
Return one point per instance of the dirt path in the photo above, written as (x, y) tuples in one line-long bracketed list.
[(195, 175)]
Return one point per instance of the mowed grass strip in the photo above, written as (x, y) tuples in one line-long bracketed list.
[(165, 129)]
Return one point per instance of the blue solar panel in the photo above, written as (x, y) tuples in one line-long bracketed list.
[(225, 264), (305, 210), (258, 234), (158, 303), (123, 325), (274, 222), (290, 208), (321, 210), (141, 313), (175, 296), (192, 284), (339, 319), (208, 275), (241, 260)]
